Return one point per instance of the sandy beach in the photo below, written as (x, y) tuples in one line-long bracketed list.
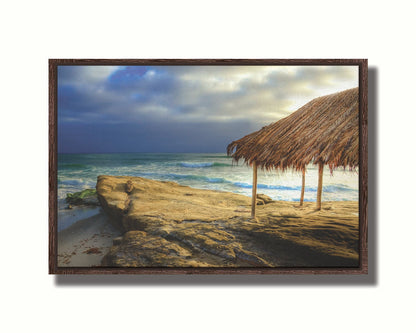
[(85, 242)]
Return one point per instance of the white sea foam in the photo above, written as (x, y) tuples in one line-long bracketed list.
[(206, 171)]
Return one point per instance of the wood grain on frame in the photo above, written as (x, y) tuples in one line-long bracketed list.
[(53, 167)]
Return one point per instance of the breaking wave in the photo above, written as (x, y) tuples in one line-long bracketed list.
[(203, 165)]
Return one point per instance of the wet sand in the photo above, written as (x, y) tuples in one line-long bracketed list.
[(85, 242)]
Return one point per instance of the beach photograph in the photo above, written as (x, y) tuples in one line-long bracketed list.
[(208, 166)]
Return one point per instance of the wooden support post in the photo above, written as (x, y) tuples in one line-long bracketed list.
[(302, 193), (254, 191), (319, 194)]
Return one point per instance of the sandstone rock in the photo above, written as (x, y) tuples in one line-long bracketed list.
[(117, 240), (265, 198), (138, 249), (259, 202), (129, 186), (154, 203), (169, 225)]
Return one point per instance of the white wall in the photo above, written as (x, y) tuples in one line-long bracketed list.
[(33, 31)]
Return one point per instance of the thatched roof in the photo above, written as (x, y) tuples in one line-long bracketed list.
[(324, 130)]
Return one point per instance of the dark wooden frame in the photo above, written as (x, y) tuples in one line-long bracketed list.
[(363, 170)]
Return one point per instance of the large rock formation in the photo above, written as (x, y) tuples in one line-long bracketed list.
[(169, 225)]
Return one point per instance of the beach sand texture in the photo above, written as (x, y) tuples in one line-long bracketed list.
[(85, 242)]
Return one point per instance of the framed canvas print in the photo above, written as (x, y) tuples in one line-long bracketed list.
[(208, 166)]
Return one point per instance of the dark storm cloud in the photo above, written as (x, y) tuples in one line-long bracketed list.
[(146, 136)]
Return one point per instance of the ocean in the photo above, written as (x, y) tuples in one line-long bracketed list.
[(204, 171)]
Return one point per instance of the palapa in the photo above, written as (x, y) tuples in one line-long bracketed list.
[(325, 131)]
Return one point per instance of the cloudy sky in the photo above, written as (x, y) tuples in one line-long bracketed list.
[(182, 108)]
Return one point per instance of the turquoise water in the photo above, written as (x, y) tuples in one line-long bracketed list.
[(204, 171)]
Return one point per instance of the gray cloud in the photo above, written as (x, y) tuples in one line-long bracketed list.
[(169, 97)]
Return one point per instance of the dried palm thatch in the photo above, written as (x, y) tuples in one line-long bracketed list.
[(323, 131)]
